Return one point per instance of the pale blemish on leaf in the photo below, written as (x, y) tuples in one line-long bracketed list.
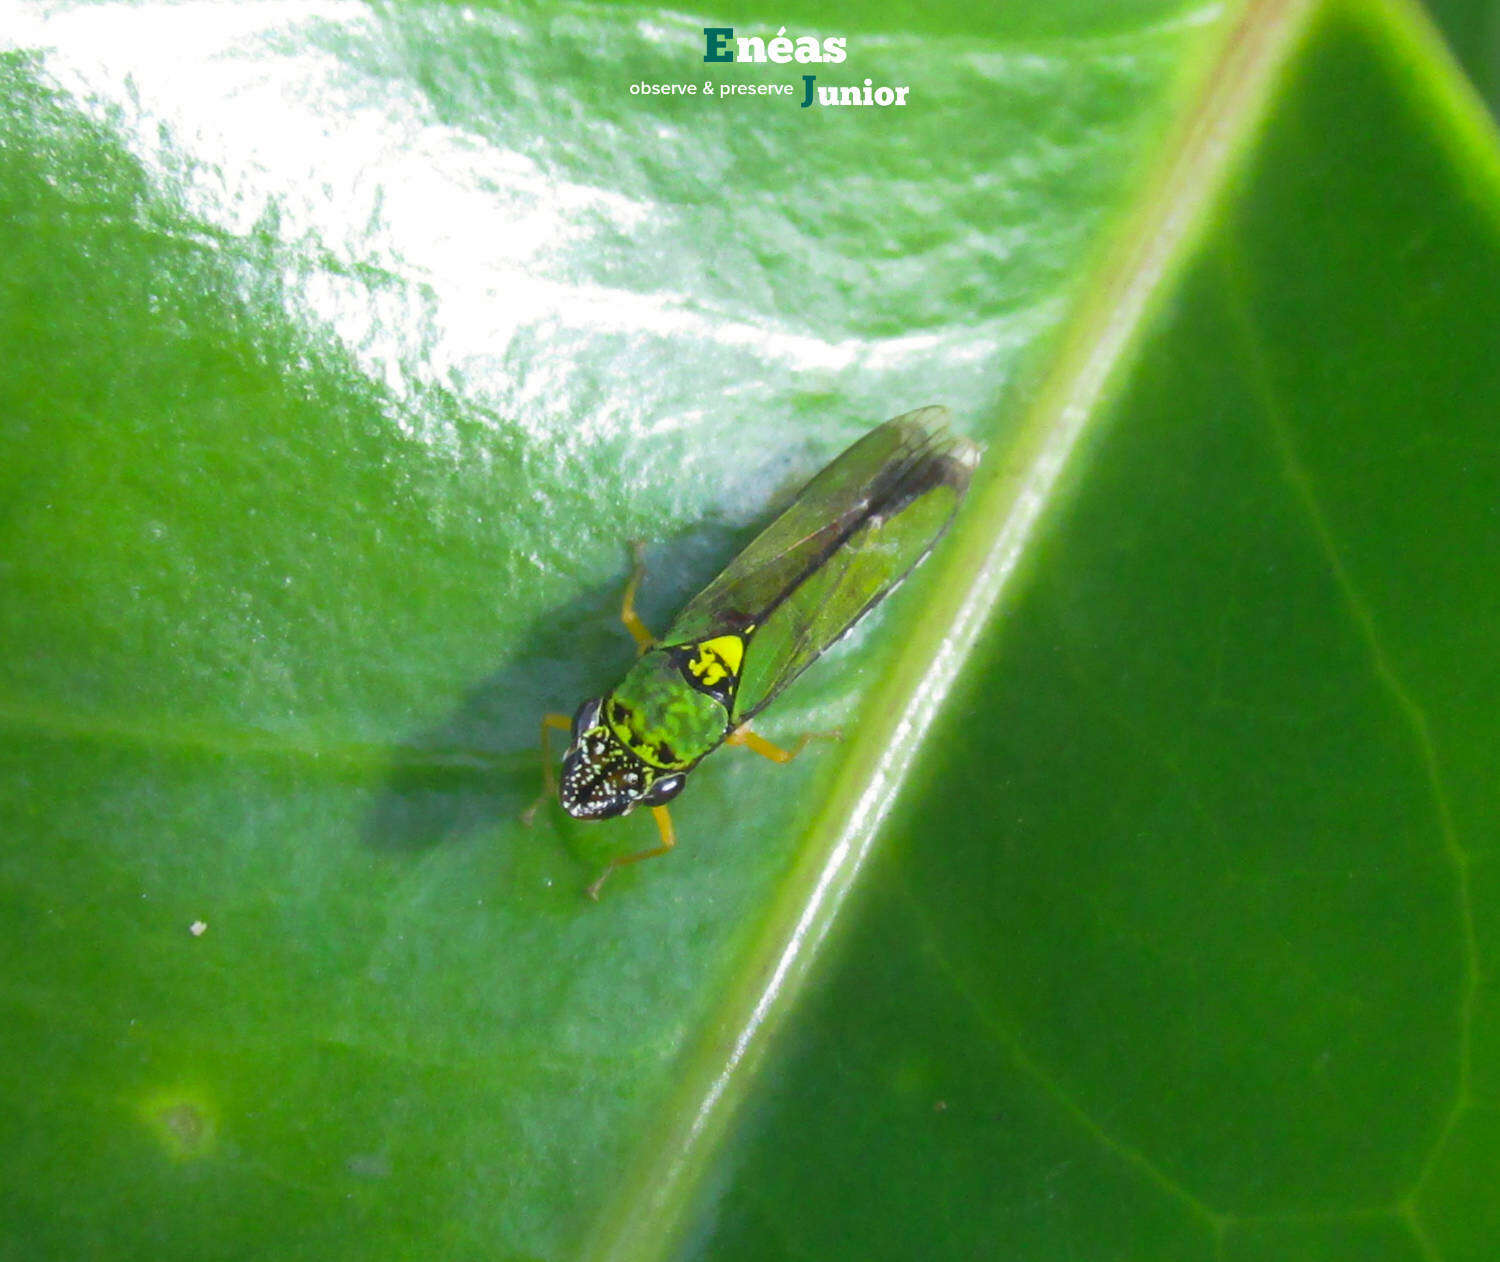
[(183, 1122)]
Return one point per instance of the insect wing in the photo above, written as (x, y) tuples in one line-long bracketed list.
[(897, 531), (810, 530)]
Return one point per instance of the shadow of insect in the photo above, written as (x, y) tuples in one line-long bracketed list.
[(482, 762)]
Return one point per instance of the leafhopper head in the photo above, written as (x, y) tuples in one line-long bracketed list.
[(601, 778)]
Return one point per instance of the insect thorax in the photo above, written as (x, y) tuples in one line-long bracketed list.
[(673, 706)]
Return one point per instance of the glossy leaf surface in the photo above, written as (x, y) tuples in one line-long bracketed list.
[(347, 347), (1182, 947)]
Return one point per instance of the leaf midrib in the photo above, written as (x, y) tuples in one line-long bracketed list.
[(1017, 489)]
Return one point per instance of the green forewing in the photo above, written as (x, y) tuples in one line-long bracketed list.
[(853, 533), (877, 556)]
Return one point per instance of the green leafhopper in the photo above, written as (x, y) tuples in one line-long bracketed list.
[(853, 533)]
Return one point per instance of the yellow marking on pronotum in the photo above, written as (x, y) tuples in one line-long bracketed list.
[(731, 651), (717, 660)]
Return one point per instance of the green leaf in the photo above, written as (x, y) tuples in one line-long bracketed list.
[(1180, 943), (1472, 28), (344, 352)]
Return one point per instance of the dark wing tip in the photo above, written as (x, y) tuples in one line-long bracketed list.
[(934, 418), (936, 458), (940, 457), (959, 460)]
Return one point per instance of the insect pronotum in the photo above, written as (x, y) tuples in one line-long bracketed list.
[(853, 533)]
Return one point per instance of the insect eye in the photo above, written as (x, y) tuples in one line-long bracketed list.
[(587, 716), (664, 790)]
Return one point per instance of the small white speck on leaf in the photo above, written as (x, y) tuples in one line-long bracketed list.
[(197, 928)]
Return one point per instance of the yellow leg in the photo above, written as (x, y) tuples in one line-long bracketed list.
[(549, 777), (668, 840), (746, 739), (632, 620)]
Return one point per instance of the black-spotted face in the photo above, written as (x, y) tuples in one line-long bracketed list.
[(600, 777)]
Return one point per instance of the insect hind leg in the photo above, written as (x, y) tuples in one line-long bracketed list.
[(632, 620), (756, 743)]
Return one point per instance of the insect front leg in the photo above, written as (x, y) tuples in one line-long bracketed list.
[(632, 620), (668, 840), (754, 741), (549, 777)]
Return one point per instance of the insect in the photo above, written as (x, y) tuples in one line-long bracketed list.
[(855, 531)]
